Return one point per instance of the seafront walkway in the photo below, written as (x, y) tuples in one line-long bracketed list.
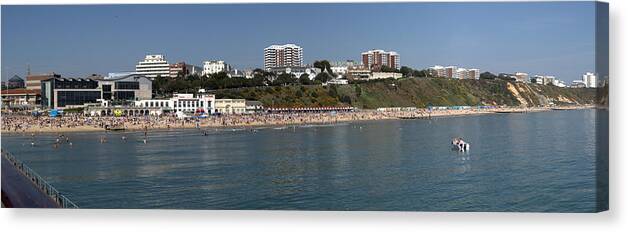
[(23, 188)]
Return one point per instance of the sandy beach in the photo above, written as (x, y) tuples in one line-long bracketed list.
[(78, 123)]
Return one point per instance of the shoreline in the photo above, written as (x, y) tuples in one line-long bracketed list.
[(297, 119)]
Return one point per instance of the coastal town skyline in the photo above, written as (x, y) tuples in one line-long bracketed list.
[(435, 107), (114, 49)]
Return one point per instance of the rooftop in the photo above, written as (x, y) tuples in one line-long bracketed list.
[(21, 91), (15, 78)]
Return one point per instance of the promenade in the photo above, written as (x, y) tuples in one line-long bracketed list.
[(19, 192)]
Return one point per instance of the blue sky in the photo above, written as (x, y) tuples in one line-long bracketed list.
[(76, 40)]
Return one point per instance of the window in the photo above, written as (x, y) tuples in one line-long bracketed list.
[(65, 98), (125, 95), (127, 85)]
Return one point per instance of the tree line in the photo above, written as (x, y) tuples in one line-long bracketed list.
[(164, 85)]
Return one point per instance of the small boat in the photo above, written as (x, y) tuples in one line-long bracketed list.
[(460, 144)]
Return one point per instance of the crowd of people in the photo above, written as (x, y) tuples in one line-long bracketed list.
[(79, 122), (15, 122)]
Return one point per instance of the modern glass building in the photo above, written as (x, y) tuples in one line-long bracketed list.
[(60, 93)]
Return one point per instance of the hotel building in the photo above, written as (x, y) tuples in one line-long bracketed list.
[(375, 59), (590, 80), (215, 66), (153, 66), (437, 71), (287, 55), (473, 73), (454, 72)]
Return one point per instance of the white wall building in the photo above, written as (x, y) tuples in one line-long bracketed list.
[(578, 84), (153, 66), (590, 80), (341, 67), (230, 106), (384, 75), (287, 55), (296, 71), (337, 81), (454, 72), (342, 70), (186, 103), (521, 77), (559, 83), (215, 66), (461, 73), (548, 80)]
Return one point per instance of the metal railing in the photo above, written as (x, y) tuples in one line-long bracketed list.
[(38, 181)]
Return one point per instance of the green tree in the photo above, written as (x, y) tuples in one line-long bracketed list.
[(333, 91), (421, 73), (304, 79), (358, 90), (345, 99), (323, 65), (385, 68), (322, 77), (285, 79), (406, 71)]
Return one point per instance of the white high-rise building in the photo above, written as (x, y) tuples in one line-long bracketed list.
[(215, 66), (590, 80), (153, 66), (287, 55)]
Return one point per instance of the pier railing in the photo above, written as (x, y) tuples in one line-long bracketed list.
[(38, 181)]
